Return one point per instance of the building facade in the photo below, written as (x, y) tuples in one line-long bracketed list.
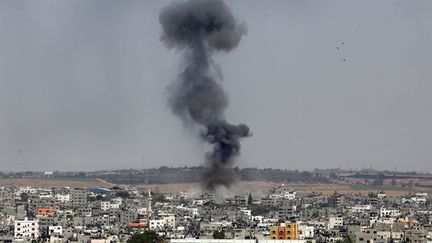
[(26, 229)]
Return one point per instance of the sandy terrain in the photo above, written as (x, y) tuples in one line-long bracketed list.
[(258, 187), (47, 183), (241, 186)]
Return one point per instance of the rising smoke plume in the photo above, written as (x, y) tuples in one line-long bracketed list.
[(199, 28)]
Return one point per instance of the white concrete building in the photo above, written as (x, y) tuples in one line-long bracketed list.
[(247, 212), (257, 218), (381, 195), (419, 200), (290, 195), (26, 229), (55, 230), (142, 211), (421, 194), (361, 208), (105, 205), (47, 196), (198, 202), (389, 212), (27, 189), (335, 222), (306, 232), (193, 211), (117, 200), (156, 224), (62, 197), (169, 219)]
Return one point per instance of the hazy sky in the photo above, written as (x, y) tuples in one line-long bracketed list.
[(83, 85)]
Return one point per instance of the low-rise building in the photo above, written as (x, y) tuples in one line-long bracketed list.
[(55, 230)]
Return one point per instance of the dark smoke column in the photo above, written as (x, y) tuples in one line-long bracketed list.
[(199, 28)]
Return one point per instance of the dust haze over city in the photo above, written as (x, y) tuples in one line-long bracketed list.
[(83, 86)]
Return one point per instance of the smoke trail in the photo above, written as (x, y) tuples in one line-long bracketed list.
[(199, 28)]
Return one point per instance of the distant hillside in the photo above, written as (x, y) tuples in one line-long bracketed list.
[(167, 175), (172, 175)]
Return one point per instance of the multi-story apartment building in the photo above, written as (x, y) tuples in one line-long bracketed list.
[(44, 211), (26, 229), (78, 198), (286, 232)]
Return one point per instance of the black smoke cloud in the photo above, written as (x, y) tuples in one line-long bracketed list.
[(199, 28)]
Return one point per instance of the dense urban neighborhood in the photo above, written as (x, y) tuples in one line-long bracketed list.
[(118, 214)]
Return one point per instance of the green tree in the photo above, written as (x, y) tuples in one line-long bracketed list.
[(123, 194), (146, 237), (24, 197), (250, 199), (410, 184), (219, 234), (260, 209), (158, 197), (378, 182)]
